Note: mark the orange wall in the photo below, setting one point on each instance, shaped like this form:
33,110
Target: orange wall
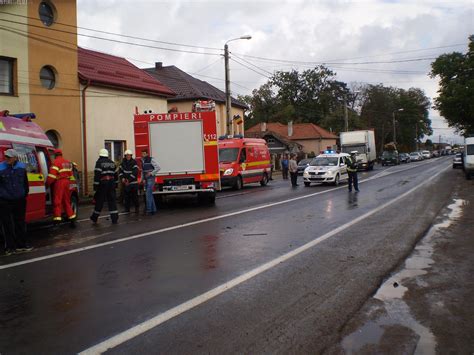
59,108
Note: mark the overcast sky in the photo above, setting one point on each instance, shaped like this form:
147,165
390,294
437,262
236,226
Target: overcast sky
344,35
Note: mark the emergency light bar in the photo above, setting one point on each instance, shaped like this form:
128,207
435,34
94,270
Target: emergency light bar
230,136
23,116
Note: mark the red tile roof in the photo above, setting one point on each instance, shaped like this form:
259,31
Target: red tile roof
300,131
111,71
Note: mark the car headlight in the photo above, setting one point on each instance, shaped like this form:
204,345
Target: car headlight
329,172
228,171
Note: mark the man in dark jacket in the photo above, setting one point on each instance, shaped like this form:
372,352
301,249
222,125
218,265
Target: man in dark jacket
13,192
352,167
128,173
105,182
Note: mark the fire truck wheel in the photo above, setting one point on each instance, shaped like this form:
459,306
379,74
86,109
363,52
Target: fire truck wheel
238,183
264,180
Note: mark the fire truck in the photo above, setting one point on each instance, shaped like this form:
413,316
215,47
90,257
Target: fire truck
34,148
185,146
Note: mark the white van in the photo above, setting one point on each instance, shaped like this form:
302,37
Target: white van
469,157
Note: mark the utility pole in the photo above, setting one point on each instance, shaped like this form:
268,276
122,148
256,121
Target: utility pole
227,90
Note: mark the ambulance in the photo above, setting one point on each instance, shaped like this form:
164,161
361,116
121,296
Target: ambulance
36,151
244,161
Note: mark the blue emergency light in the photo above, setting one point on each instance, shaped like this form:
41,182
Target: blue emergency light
329,152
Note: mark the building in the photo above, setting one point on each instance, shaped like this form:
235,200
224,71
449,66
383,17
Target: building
111,89
307,138
190,89
38,68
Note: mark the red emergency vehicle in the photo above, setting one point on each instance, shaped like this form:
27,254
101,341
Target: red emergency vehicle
244,161
36,151
185,146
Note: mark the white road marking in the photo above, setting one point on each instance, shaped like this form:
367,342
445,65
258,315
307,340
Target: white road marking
196,301
179,226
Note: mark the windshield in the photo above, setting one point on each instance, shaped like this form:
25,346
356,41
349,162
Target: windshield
387,153
361,149
324,161
228,155
470,149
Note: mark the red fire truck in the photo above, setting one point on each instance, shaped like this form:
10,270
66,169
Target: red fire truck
185,146
36,151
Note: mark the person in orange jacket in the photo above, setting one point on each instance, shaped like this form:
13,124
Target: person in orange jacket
59,178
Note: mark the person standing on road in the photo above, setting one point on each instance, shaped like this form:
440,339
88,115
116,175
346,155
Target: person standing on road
128,173
14,190
105,183
149,170
352,166
284,166
59,178
293,168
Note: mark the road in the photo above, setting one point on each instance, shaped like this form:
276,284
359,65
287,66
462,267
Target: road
270,269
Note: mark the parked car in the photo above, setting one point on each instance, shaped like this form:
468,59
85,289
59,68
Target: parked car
404,158
416,156
327,168
426,154
390,157
457,161
303,164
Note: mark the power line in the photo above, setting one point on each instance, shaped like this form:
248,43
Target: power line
249,68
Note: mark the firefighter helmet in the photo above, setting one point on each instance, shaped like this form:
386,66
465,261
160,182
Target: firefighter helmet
58,152
103,153
128,152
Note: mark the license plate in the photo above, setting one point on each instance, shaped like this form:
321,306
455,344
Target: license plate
180,188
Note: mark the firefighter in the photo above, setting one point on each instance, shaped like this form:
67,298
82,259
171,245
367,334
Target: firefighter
105,182
352,172
59,178
128,173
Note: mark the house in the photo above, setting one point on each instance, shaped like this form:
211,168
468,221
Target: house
307,138
110,89
38,68
189,89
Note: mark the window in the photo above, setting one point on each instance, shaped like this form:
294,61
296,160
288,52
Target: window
27,155
47,13
116,149
470,149
6,75
54,137
48,77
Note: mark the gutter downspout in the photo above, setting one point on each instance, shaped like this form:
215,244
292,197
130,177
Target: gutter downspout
84,137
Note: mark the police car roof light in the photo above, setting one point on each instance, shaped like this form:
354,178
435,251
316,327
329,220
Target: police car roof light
23,116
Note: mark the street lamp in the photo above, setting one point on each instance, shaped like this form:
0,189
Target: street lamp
394,127
227,82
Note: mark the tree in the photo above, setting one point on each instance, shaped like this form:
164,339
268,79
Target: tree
456,80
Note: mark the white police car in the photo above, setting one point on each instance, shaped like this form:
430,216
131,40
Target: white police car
329,167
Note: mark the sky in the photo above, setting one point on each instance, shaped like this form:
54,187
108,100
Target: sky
374,41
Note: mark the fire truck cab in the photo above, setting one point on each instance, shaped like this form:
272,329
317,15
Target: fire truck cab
36,151
244,161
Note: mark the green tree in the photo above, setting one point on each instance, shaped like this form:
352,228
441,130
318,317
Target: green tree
456,93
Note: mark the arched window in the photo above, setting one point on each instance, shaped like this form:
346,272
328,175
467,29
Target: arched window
48,77
47,13
54,137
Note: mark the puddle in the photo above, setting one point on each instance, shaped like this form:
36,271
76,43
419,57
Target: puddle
393,309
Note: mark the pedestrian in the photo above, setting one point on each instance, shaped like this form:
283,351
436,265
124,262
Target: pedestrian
149,170
284,166
14,190
105,183
59,178
128,173
293,169
352,166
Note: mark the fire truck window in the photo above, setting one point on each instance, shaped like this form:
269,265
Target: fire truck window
27,155
243,156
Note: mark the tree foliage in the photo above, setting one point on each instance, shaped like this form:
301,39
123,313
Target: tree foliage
456,93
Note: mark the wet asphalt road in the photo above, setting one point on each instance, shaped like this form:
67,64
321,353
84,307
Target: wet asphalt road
70,302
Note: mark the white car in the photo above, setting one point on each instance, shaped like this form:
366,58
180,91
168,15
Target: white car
426,154
327,168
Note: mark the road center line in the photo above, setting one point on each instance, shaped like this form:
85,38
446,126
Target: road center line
179,226
196,301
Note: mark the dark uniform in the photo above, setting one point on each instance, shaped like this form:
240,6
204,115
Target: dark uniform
128,173
105,182
352,166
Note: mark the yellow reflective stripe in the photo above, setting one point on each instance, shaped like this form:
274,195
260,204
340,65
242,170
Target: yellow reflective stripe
35,177
210,143
55,168
73,216
209,176
255,163
52,176
57,219
63,170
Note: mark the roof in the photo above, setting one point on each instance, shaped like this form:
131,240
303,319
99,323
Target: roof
188,87
300,131
107,70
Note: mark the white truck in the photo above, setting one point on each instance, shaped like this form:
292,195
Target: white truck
364,143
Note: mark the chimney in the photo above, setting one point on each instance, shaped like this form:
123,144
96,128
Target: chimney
158,65
263,126
290,128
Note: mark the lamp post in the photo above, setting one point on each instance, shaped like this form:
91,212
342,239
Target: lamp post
227,82
416,133
394,127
